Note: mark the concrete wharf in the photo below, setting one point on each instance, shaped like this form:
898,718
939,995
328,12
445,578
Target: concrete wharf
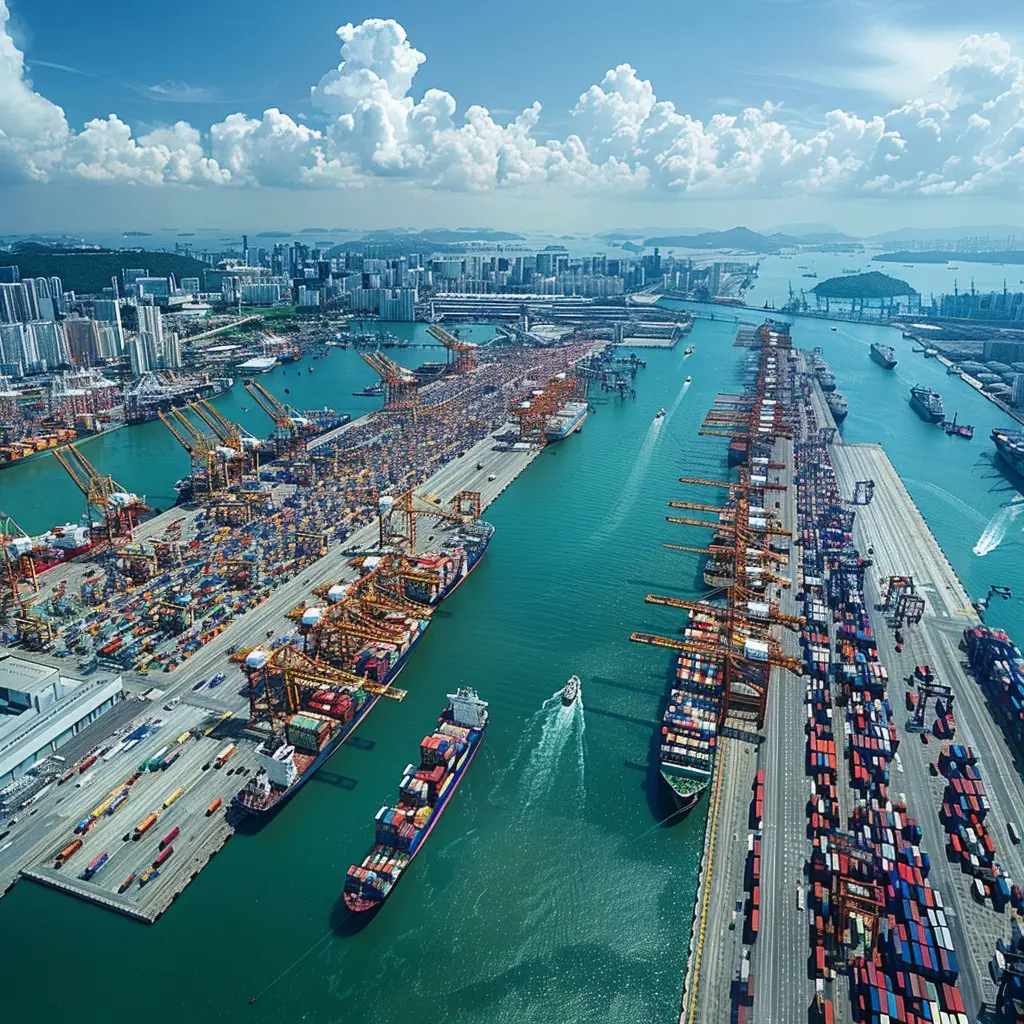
891,532
175,709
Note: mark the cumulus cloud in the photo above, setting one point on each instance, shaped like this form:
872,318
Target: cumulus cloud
964,134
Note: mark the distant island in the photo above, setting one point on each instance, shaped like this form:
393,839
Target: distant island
630,246
273,234
734,238
1013,256
873,285
315,231
136,234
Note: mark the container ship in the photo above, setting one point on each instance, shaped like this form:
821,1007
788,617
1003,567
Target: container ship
689,730
56,546
566,421
15,452
153,393
836,403
927,404
294,752
1010,446
424,793
884,355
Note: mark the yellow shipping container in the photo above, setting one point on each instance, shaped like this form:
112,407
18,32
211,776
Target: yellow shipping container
174,796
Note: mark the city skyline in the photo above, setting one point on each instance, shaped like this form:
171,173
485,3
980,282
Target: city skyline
902,121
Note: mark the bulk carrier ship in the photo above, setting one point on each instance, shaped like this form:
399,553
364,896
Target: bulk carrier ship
423,795
294,752
884,355
927,404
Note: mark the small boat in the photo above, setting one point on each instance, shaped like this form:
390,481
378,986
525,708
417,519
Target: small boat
571,691
659,414
688,351
833,328
688,380
953,370
954,429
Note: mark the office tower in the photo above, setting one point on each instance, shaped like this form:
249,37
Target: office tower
83,341
50,345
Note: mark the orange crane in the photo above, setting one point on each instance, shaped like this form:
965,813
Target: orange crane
401,386
210,462
397,519
289,426
104,496
19,567
460,353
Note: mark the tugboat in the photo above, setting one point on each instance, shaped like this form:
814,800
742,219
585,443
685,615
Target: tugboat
954,429
571,691
659,414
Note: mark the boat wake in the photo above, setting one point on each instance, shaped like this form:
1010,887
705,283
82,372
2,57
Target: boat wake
631,489
993,534
552,744
678,401
951,499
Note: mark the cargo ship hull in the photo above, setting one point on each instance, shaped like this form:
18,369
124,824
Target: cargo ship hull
685,793
561,426
883,358
929,411
280,797
363,903
1012,460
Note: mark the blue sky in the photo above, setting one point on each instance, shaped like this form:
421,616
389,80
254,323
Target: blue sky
864,114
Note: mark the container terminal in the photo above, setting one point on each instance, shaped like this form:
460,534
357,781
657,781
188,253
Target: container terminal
856,724
286,593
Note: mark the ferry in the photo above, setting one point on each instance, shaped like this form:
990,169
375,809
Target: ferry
571,691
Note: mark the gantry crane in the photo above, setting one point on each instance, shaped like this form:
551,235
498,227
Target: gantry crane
397,520
460,353
289,426
401,386
231,435
278,683
105,498
19,568
211,462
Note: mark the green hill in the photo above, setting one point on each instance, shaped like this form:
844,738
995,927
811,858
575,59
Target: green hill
88,273
863,286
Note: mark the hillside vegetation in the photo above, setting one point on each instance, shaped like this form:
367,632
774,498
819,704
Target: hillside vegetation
863,286
88,273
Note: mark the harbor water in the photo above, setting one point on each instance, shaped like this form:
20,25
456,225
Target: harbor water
548,891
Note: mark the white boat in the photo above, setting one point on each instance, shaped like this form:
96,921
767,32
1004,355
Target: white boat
659,414
688,380
571,690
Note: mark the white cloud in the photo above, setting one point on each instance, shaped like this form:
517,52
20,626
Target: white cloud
963,134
